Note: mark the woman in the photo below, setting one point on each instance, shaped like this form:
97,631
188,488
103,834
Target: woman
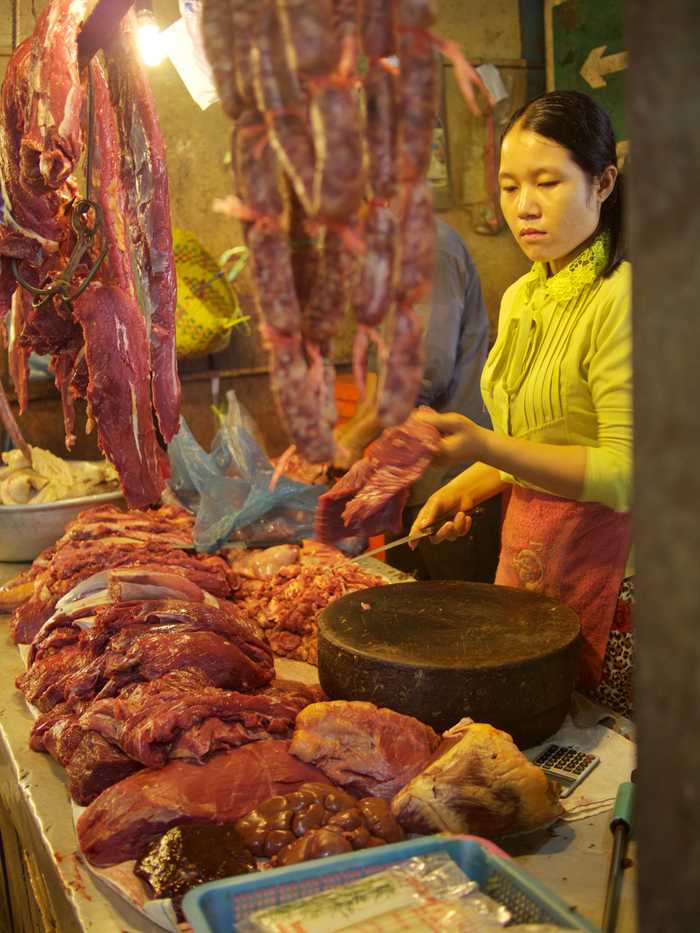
558,387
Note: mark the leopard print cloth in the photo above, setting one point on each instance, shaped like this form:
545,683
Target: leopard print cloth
615,688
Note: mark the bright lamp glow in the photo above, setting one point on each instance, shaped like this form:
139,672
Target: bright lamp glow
150,39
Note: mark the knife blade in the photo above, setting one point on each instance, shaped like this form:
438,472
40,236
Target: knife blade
477,510
387,547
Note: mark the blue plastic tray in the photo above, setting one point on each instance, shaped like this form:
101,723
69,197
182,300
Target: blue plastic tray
216,907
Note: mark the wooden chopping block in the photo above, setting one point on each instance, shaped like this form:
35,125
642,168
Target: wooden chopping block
443,650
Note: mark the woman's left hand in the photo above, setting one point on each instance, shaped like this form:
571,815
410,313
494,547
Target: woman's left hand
462,439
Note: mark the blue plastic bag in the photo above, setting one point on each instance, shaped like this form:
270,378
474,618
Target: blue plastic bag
229,488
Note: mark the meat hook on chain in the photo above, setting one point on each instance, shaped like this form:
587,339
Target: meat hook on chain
60,287
80,222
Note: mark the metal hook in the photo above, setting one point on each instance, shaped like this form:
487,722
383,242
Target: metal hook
80,224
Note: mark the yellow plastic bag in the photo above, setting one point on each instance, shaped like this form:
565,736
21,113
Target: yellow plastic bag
207,307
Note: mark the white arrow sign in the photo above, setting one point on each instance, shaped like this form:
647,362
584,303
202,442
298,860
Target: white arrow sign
596,66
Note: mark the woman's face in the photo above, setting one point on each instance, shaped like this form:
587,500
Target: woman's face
548,201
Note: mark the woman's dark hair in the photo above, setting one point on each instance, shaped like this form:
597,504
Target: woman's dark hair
575,121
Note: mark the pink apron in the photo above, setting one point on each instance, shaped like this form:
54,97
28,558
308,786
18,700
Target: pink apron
574,552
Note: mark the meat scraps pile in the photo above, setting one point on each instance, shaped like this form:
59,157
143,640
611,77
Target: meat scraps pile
318,153
289,587
110,326
152,672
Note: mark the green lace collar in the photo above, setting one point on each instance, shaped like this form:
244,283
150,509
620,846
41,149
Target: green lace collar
572,279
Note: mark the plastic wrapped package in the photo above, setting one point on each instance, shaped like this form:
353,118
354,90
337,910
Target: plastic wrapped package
426,892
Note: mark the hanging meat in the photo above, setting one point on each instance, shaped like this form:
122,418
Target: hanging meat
329,181
91,280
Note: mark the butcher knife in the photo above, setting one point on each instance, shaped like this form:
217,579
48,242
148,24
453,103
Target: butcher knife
391,544
477,510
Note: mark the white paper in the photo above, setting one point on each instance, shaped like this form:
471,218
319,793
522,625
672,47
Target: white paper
183,45
491,77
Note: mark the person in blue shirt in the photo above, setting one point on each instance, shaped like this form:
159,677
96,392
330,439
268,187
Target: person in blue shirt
456,342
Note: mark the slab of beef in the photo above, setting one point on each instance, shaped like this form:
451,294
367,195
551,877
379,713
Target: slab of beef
113,535
168,524
180,715
369,750
483,785
75,611
77,560
126,817
92,763
288,604
109,345
144,180
370,498
136,642
44,683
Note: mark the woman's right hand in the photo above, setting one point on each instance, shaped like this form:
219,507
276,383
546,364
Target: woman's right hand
446,511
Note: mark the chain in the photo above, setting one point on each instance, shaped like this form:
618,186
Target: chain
85,233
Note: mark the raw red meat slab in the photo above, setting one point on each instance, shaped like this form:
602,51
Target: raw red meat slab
371,496
126,817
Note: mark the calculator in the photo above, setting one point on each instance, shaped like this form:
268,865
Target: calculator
567,765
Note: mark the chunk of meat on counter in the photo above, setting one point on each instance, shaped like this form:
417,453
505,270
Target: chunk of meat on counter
104,538
315,821
370,498
263,563
367,749
132,642
180,715
288,605
192,854
126,817
169,525
92,763
482,785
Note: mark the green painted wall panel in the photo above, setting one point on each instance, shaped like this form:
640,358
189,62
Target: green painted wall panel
578,28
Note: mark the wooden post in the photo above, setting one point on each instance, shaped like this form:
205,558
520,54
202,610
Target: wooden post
663,107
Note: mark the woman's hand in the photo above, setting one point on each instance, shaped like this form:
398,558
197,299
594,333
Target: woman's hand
446,511
462,439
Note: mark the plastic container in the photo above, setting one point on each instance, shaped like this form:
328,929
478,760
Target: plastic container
217,906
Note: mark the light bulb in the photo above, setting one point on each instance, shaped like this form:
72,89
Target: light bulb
150,39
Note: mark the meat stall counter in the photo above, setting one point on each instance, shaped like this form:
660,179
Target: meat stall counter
46,885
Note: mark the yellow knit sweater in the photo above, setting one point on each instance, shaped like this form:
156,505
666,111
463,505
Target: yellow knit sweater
560,371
